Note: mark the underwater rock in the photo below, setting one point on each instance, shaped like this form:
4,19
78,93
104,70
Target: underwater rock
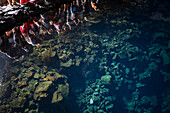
166,102
28,91
57,97
36,75
149,100
160,34
29,74
113,21
63,57
166,75
70,53
41,90
78,60
32,85
79,48
18,102
122,55
127,70
26,64
23,82
91,101
138,85
31,69
49,73
165,57
53,53
91,58
154,51
115,56
152,66
33,111
62,91
95,21
67,64
38,61
3,89
47,54
106,79
104,91
109,107
129,31
133,59
53,76
44,69
87,49
95,98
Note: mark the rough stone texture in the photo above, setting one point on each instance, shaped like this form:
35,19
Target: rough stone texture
42,87
106,78
15,17
4,64
18,102
57,97
63,91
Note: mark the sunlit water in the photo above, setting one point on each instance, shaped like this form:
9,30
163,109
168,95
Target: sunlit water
116,62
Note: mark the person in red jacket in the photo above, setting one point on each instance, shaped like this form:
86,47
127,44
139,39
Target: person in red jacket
26,32
23,1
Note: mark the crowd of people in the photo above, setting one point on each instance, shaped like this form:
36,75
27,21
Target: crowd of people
62,18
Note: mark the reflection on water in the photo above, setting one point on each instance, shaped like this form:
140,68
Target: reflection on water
112,63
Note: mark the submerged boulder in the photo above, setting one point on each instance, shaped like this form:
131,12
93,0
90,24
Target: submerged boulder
18,102
106,79
165,57
63,91
41,90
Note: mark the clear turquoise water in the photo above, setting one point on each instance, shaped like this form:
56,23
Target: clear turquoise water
131,49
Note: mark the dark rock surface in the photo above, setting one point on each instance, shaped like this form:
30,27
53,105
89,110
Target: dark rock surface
10,17
4,62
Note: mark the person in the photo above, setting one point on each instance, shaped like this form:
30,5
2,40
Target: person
45,23
14,2
82,10
68,16
26,32
20,42
57,25
85,9
56,22
94,4
73,9
11,37
18,37
79,9
23,1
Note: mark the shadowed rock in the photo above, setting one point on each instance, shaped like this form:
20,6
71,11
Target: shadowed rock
4,62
